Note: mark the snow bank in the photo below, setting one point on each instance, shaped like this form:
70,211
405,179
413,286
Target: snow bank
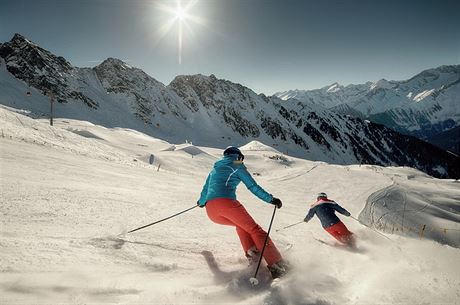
18,127
416,208
189,149
257,146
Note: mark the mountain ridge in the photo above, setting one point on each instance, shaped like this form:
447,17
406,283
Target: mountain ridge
422,106
206,110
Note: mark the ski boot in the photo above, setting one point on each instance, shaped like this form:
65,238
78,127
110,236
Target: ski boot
278,269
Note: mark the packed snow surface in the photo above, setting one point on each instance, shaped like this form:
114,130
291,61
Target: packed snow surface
69,194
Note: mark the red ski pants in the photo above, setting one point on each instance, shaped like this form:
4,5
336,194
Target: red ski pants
340,232
230,212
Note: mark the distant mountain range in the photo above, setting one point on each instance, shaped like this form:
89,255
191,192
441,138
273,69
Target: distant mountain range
204,110
424,106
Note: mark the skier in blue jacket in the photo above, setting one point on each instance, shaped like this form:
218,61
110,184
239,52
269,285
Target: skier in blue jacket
219,198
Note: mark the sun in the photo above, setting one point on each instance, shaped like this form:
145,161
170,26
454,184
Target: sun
180,13
180,16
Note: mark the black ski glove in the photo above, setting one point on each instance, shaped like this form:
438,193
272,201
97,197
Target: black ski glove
198,204
277,202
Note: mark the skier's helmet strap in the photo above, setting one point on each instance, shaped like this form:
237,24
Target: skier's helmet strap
232,150
321,195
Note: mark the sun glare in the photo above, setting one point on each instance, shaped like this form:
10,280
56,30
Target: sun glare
180,16
180,13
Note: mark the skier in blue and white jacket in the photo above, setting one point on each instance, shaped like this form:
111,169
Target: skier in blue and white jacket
219,198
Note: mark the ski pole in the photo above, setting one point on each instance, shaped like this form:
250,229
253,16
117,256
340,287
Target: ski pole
151,224
297,223
372,229
254,280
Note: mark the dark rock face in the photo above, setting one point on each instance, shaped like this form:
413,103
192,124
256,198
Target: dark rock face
41,69
120,79
448,140
239,124
273,129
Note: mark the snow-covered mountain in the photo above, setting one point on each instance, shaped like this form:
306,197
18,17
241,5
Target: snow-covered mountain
204,110
41,69
426,104
329,96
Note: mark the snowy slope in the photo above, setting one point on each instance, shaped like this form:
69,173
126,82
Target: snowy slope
68,190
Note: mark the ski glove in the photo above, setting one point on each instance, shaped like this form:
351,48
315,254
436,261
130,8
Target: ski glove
277,202
198,204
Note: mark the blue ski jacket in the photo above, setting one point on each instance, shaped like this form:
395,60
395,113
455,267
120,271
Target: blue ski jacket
225,177
325,210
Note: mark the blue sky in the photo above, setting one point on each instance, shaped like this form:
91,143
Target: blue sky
266,45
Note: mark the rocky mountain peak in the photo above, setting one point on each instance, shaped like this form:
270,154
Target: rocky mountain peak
382,84
195,79
22,52
114,63
114,72
211,90
334,87
446,73
36,66
19,39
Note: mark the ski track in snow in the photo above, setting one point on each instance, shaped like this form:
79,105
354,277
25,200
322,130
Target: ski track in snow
70,193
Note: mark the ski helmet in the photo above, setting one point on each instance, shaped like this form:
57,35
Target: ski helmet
232,150
321,195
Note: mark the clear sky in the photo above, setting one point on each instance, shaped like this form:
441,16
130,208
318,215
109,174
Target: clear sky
266,45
